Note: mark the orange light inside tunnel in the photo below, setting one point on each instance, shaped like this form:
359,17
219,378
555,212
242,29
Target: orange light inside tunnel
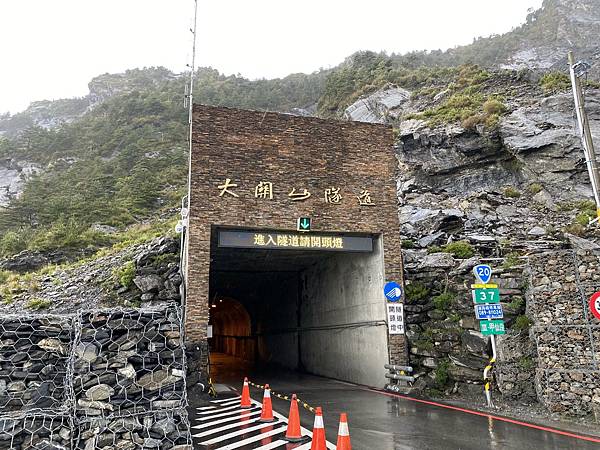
231,329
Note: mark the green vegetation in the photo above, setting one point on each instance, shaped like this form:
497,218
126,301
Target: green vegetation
511,192
434,249
416,291
554,82
511,260
441,374
125,274
408,243
535,188
517,304
467,102
443,302
526,362
522,323
460,249
37,304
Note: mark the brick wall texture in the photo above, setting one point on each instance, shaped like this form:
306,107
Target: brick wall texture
291,152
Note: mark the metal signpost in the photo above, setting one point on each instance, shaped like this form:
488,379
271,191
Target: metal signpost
486,297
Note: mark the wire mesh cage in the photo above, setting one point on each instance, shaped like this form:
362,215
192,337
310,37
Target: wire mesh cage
36,432
128,362
165,430
34,362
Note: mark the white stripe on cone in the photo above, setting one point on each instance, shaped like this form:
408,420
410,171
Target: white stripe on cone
319,422
267,393
343,431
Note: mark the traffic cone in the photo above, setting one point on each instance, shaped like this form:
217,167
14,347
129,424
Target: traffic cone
246,403
293,433
318,439
267,408
343,442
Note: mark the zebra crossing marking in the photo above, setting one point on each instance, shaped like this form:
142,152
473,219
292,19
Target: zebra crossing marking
228,419
237,433
235,423
226,427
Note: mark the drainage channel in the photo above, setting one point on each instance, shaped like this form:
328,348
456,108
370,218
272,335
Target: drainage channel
223,425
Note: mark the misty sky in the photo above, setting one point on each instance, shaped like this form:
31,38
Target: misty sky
52,48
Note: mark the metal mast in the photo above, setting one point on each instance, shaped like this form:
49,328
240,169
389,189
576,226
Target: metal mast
185,201
577,70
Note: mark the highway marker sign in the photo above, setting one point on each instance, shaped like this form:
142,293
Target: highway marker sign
492,327
595,305
483,273
481,296
392,291
485,312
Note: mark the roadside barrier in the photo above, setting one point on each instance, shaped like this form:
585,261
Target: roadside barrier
267,407
400,381
294,432
281,396
319,442
343,441
245,401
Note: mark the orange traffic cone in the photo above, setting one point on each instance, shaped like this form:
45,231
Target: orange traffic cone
343,442
267,408
318,439
246,403
293,433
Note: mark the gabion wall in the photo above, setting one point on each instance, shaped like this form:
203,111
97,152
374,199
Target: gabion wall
169,430
36,431
113,378
34,358
128,362
566,334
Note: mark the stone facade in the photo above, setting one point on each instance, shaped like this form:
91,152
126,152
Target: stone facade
291,152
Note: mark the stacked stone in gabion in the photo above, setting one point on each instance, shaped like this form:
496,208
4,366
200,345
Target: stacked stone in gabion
36,432
128,362
166,430
34,353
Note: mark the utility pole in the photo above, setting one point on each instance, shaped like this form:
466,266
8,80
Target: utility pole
577,70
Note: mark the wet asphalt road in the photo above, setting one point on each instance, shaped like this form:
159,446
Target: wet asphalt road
382,422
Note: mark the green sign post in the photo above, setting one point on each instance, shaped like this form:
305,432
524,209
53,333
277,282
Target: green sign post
492,327
481,296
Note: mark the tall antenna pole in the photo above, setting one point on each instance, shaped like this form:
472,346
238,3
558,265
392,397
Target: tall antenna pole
577,70
185,201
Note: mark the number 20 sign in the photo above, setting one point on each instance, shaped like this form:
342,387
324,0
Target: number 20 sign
483,273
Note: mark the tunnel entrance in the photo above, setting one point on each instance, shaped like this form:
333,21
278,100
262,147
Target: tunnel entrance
306,302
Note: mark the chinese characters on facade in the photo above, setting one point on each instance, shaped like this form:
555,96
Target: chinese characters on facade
300,241
264,190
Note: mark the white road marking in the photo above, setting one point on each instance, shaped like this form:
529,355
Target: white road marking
228,419
228,399
252,439
219,410
235,402
239,432
226,427
272,445
225,414
304,446
206,407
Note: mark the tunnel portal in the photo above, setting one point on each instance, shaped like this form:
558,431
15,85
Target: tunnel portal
272,292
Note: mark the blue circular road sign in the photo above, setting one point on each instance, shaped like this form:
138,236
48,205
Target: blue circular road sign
392,291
